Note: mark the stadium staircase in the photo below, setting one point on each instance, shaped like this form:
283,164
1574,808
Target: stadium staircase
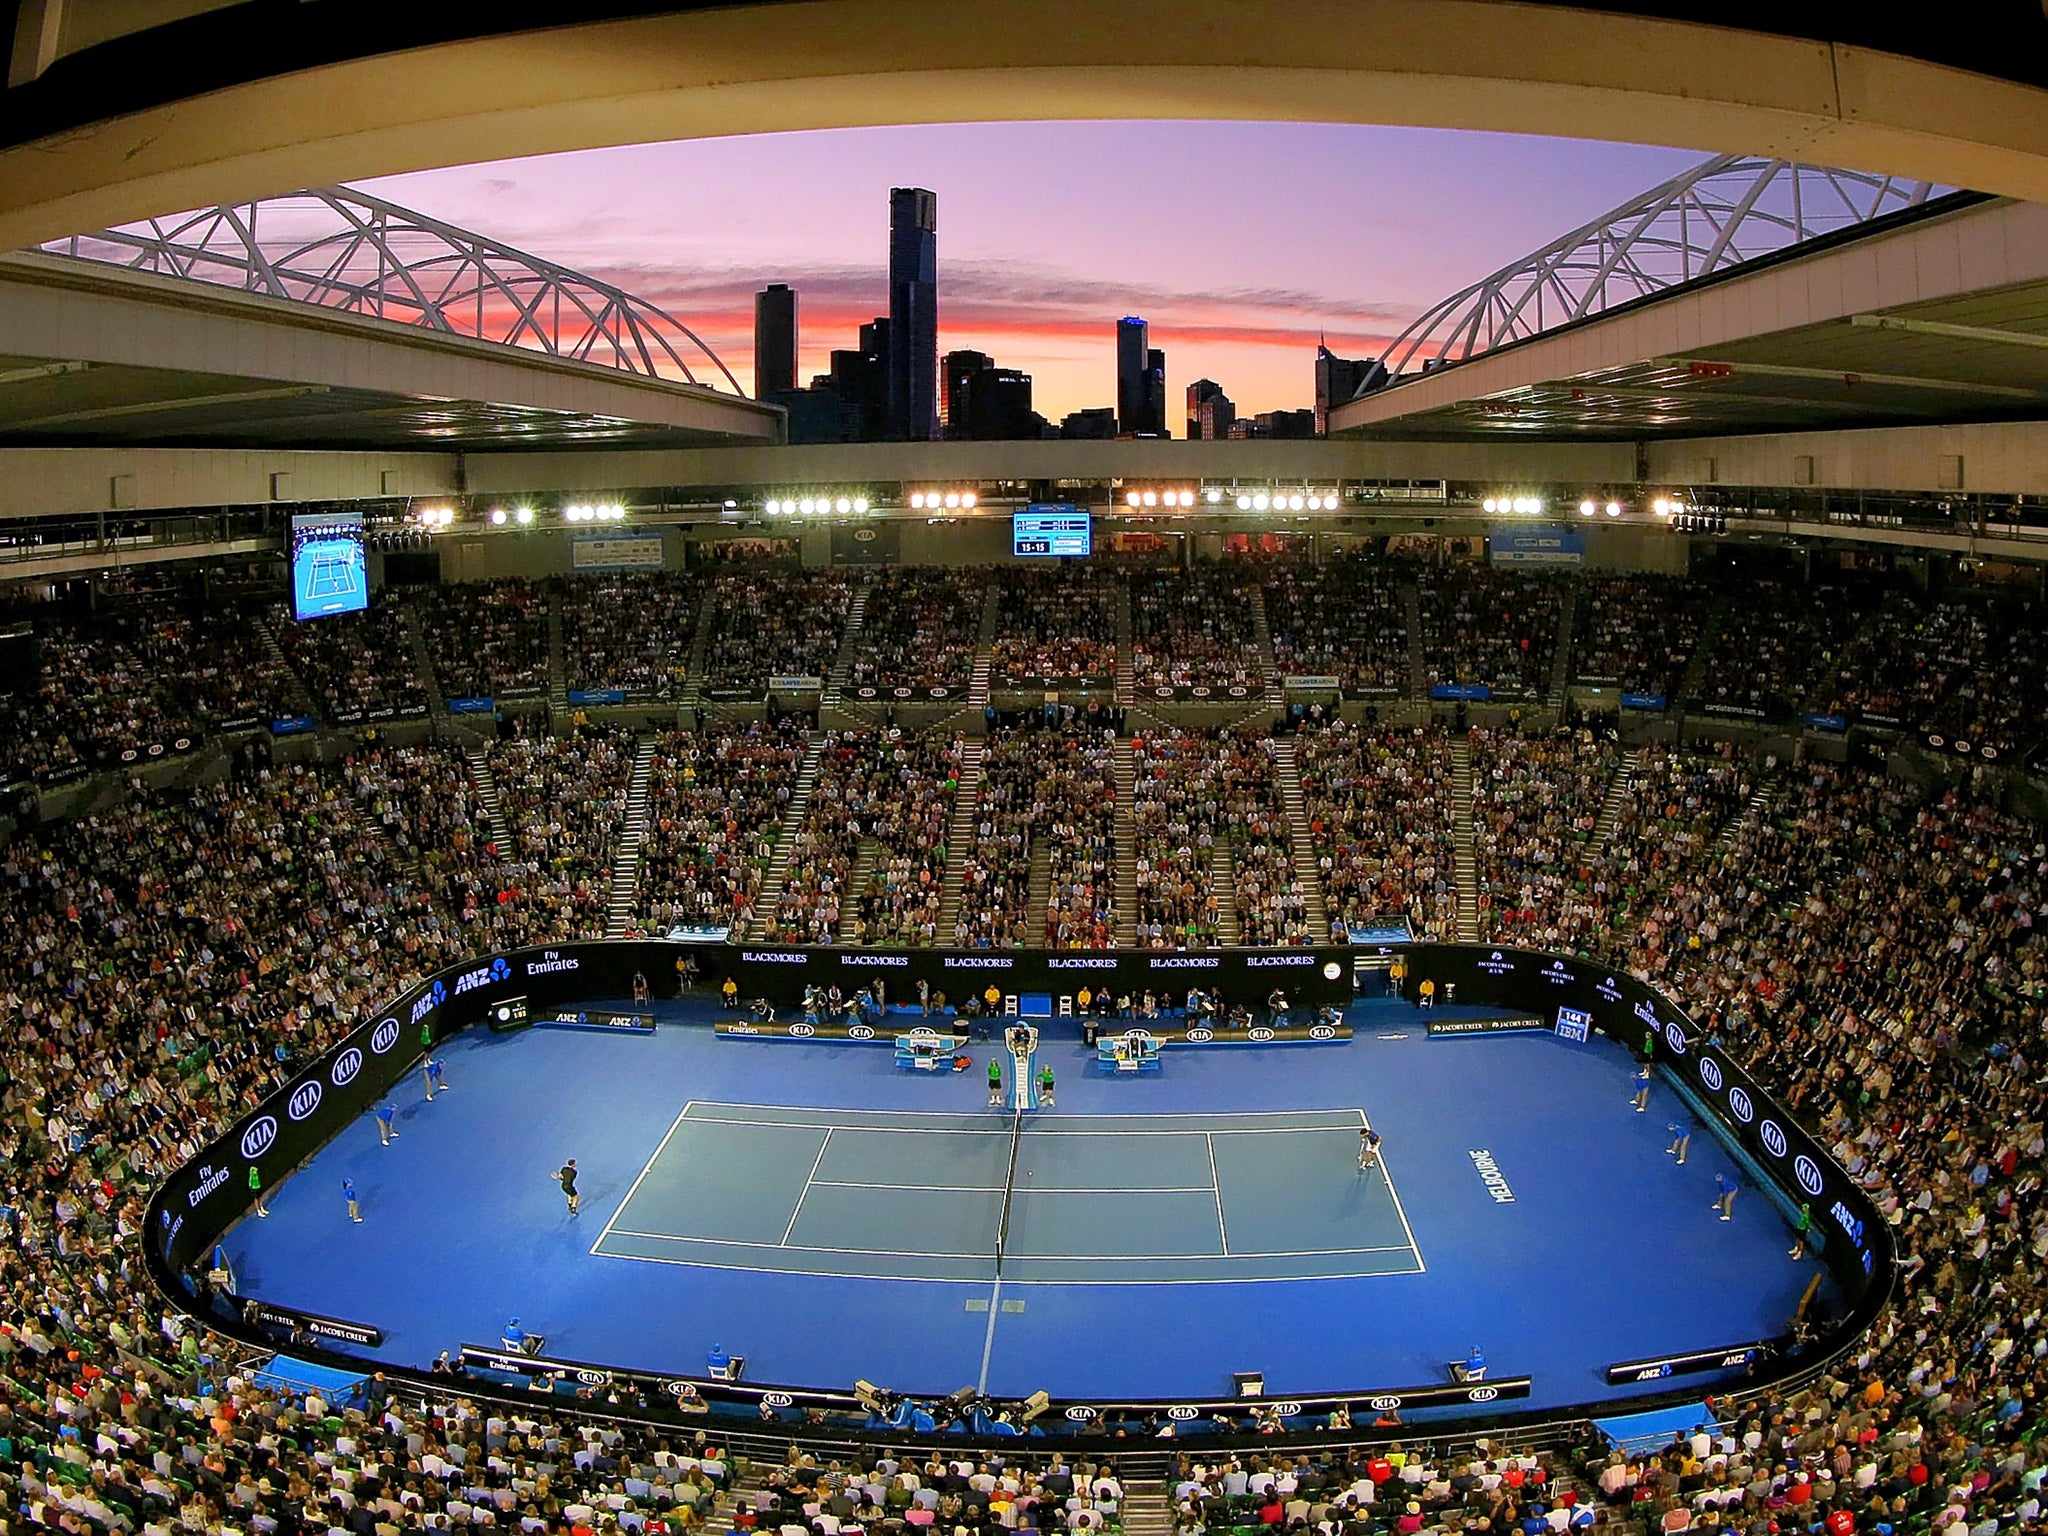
1561,663
618,912
301,696
487,791
1696,668
1147,1507
1755,812
1037,889
558,661
1619,792
1126,675
1125,773
423,659
1223,881
1262,636
1287,768
741,1493
985,646
849,646
691,695
1418,667
1463,841
867,858
960,835
785,837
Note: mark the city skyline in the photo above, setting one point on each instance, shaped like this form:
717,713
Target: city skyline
1290,233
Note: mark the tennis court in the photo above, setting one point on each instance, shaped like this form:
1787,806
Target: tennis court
1095,1199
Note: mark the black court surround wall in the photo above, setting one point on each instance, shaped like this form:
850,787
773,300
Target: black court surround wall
1859,1246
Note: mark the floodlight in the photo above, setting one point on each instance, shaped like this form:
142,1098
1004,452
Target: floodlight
860,503
843,505
1614,509
1213,495
967,498
1244,503
498,516
524,514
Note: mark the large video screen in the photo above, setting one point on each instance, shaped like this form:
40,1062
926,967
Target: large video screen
1050,528
329,575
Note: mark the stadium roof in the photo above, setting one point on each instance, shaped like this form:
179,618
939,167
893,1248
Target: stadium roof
95,355
1940,319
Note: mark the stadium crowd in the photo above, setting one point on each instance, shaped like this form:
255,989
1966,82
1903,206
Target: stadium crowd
1493,629
769,622
629,631
1872,951
920,629
1057,628
1344,618
1194,629
486,639
715,806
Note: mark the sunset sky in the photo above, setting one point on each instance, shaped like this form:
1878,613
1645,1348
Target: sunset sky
1238,242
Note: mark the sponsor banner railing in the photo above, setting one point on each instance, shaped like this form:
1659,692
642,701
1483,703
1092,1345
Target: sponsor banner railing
152,751
309,1324
1308,977
1733,711
1477,693
1730,1357
1308,682
476,704
1651,702
1205,693
1163,1031
597,695
292,725
904,693
1505,1024
795,684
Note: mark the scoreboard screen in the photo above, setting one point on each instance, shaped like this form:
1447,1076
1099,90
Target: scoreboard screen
328,571
1051,528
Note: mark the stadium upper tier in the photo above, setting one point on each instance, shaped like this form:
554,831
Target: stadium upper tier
162,662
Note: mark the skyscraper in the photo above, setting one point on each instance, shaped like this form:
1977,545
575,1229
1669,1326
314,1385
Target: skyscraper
774,340
1133,393
957,368
1210,411
1337,380
1155,391
913,314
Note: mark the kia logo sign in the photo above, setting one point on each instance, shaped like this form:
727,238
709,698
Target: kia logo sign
1710,1073
1258,1033
1773,1138
1482,1394
1287,1410
861,1032
1321,1032
777,1399
591,1378
677,1388
1181,1413
1675,1038
1080,1414
1332,971
1201,1036
384,1036
258,1138
1382,1404
1808,1173
305,1099
802,1031
923,1032
861,536
346,1066
1739,1105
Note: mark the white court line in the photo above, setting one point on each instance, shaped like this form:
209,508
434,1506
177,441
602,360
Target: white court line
1216,1185
620,1209
1063,1132
1022,1189
842,1274
1041,1258
988,1338
911,1114
1421,1264
807,1185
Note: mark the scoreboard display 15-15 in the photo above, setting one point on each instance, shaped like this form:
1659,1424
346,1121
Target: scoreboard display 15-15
1051,528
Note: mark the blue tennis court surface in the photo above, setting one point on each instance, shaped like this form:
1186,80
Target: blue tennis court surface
833,1218
1097,1199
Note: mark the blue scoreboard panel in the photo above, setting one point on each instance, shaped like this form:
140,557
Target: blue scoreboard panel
1051,528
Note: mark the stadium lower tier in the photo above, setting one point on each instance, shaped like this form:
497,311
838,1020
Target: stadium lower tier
833,1217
